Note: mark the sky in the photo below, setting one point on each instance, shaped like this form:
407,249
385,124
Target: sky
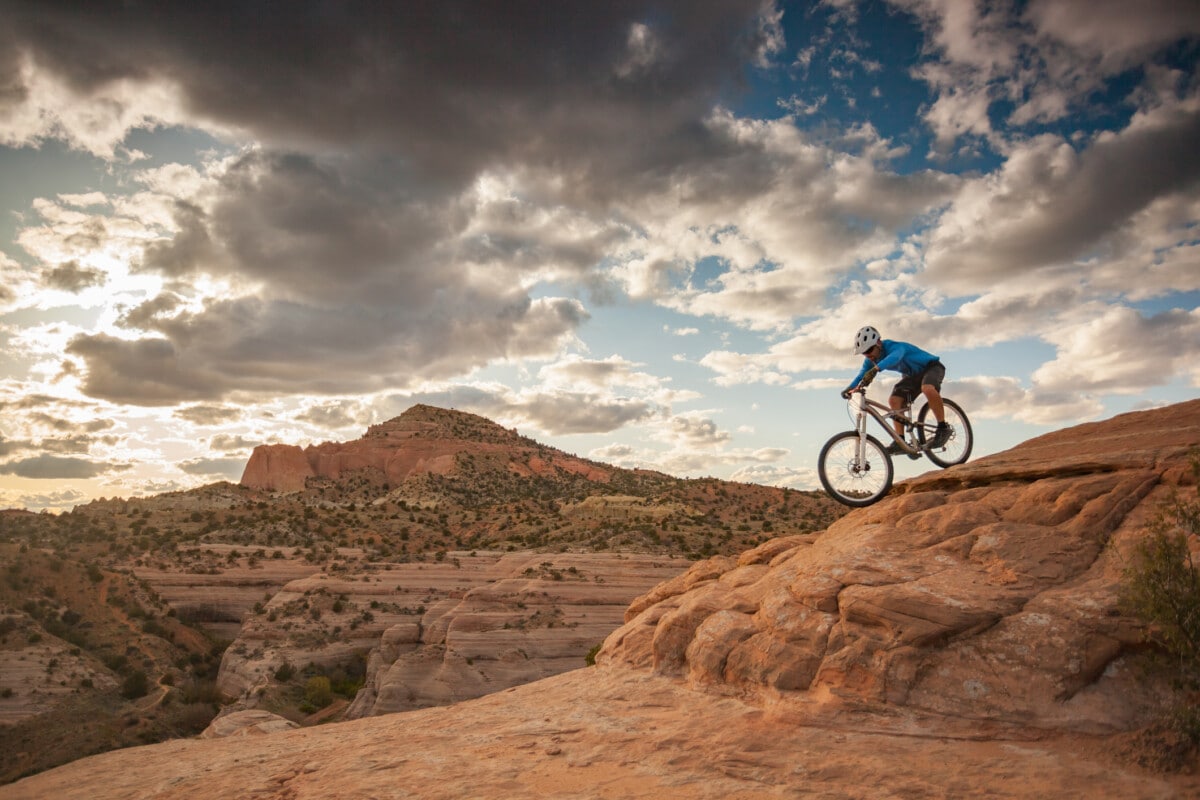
642,232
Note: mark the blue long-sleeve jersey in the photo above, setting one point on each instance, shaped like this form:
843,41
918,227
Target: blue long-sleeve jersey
899,357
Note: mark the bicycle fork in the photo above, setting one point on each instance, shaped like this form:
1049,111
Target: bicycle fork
860,453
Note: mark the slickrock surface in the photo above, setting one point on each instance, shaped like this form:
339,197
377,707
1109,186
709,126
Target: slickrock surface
612,733
959,639
988,591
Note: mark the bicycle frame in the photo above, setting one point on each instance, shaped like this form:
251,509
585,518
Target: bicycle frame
865,407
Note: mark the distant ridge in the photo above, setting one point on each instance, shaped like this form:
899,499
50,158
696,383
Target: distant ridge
423,440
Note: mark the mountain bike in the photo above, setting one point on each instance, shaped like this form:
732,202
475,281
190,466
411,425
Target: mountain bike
857,470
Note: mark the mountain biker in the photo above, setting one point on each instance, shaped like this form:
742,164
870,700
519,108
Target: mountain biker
923,373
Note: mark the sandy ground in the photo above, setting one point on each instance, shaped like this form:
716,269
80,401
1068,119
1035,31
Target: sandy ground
612,733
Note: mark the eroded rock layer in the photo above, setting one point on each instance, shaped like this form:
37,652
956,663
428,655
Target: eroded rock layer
986,591
435,633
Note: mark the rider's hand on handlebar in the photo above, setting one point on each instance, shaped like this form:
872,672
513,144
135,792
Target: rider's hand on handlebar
846,393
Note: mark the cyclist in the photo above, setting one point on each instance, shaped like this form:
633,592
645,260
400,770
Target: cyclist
923,373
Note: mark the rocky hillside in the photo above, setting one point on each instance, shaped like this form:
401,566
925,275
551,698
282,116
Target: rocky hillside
961,638
489,561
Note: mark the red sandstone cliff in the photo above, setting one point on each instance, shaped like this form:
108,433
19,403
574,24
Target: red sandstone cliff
422,440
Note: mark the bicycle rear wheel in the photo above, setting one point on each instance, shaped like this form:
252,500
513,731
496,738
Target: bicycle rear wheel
957,448
850,480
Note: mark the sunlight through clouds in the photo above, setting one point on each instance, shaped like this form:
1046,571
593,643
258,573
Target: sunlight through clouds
648,238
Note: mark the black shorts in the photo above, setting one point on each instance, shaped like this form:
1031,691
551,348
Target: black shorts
909,386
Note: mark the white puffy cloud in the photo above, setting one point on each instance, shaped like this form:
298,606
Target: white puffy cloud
805,479
783,214
96,120
1115,349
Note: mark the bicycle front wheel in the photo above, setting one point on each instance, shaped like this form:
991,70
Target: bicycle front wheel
957,448
849,479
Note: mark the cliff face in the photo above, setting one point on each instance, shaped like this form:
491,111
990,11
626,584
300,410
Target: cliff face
422,440
278,468
986,591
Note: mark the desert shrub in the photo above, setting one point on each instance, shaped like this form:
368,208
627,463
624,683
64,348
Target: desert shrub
285,672
590,658
135,685
201,691
318,692
1161,586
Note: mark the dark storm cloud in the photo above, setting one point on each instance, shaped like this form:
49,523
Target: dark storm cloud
275,346
60,425
325,229
566,413
208,415
30,401
230,468
145,372
555,413
355,213
47,467
231,444
70,277
69,444
331,416
449,86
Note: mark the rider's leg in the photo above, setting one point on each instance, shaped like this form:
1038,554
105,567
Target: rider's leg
897,402
934,398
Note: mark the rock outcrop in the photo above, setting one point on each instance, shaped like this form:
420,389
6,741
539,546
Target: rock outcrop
422,440
247,723
986,591
436,633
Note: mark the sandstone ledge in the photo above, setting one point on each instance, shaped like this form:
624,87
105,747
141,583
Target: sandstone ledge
609,733
996,602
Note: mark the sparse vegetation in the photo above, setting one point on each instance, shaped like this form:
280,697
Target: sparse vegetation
318,692
1161,586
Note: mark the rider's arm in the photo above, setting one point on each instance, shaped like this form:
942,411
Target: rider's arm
893,357
905,358
862,379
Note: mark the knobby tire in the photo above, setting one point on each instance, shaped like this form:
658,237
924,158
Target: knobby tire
958,448
850,484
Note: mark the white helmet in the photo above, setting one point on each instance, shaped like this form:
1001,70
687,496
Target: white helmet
866,338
